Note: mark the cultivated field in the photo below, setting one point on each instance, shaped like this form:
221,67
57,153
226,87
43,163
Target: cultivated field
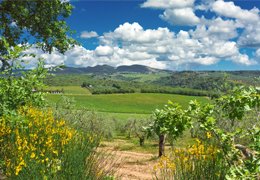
136,103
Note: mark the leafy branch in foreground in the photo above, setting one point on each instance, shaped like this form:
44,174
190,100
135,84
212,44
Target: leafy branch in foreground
19,88
234,122
39,22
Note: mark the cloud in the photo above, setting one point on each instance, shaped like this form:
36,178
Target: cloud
249,21
222,29
204,5
104,51
211,41
177,12
134,33
250,36
229,9
183,16
229,18
167,4
258,53
87,35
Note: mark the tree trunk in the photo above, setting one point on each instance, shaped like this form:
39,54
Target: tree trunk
161,144
141,141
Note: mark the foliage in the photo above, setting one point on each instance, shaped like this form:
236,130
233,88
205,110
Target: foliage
182,91
31,138
20,89
207,80
35,144
199,161
84,120
40,22
137,128
100,84
221,127
171,120
232,109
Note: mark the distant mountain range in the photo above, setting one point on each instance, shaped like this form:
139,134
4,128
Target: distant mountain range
106,69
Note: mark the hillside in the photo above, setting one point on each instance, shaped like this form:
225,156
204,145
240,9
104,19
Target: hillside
104,79
106,69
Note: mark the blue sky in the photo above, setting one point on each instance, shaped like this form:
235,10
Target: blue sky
166,34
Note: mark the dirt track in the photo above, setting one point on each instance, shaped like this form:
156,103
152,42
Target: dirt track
133,165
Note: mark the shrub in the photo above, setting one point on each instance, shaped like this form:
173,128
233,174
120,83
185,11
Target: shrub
36,145
199,161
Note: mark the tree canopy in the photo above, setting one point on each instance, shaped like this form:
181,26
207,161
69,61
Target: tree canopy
38,22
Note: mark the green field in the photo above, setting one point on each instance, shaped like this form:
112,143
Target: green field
137,103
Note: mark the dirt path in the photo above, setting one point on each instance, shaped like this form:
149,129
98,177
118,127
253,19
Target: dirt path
132,165
135,165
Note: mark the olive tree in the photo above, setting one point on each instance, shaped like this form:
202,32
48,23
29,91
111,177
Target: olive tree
171,121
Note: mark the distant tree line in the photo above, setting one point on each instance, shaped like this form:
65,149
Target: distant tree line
181,91
120,87
209,81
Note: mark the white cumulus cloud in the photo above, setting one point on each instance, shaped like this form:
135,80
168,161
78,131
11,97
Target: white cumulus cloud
166,4
104,51
159,48
229,9
182,16
250,36
87,35
177,12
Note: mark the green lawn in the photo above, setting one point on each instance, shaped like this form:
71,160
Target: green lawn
137,103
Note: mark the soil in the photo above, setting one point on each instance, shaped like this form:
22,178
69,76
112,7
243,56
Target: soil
130,165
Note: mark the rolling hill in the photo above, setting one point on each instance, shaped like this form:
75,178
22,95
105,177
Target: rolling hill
106,69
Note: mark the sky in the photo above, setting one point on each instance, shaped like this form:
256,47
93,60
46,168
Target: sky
164,34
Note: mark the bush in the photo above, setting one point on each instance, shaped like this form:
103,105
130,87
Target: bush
199,161
34,144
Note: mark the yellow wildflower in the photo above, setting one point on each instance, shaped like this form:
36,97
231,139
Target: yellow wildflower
55,152
209,135
32,155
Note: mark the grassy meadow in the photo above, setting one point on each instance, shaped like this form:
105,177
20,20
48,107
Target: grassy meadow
136,103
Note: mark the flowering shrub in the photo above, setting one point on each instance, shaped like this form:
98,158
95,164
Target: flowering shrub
33,138
34,144
199,161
